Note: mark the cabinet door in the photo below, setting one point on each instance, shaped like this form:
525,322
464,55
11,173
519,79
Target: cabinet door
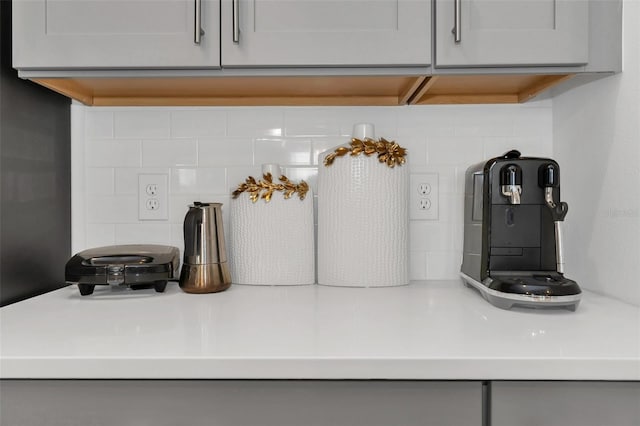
240,403
565,403
326,32
511,32
115,34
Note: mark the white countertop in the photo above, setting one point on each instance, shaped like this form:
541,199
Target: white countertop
427,330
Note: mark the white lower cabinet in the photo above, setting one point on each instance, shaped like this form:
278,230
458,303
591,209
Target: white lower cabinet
317,402
565,403
240,403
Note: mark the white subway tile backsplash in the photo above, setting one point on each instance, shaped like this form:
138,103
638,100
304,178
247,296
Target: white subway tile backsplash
192,123
143,233
421,121
385,120
100,181
418,265
444,265
99,124
454,151
486,130
113,153
208,151
141,123
169,153
495,147
416,150
184,181
495,120
112,209
255,122
224,152
534,122
126,180
99,235
312,122
451,208
283,151
212,181
339,121
200,180
430,236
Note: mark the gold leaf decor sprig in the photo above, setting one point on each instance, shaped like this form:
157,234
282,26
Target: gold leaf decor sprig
389,153
265,188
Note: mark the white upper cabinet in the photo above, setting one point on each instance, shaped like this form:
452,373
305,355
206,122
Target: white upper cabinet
76,34
477,33
292,33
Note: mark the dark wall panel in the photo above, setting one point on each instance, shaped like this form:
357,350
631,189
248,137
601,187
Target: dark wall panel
35,181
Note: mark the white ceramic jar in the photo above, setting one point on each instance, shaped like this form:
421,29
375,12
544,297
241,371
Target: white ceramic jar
272,243
362,221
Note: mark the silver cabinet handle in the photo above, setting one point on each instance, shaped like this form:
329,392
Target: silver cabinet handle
198,31
236,21
457,24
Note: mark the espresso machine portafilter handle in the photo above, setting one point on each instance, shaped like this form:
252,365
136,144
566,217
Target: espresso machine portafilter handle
511,182
549,179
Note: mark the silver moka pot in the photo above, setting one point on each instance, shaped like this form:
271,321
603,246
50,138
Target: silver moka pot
205,268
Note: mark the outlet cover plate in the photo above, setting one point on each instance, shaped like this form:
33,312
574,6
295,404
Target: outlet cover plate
153,198
423,196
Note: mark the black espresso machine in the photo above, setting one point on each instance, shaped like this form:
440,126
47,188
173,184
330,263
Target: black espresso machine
513,218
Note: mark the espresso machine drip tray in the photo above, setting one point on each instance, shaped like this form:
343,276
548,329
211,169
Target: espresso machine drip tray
137,266
530,291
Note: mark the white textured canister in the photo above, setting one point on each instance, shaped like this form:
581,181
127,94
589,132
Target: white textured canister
362,222
272,243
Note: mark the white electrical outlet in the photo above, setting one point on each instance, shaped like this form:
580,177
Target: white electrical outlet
153,197
151,189
423,196
424,189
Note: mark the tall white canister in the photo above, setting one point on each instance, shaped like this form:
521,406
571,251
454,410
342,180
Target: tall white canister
272,231
363,222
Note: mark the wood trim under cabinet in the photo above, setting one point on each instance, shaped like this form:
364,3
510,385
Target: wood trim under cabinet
484,89
67,87
303,90
236,91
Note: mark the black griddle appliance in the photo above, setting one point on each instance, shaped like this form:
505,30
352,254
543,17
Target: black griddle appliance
137,266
